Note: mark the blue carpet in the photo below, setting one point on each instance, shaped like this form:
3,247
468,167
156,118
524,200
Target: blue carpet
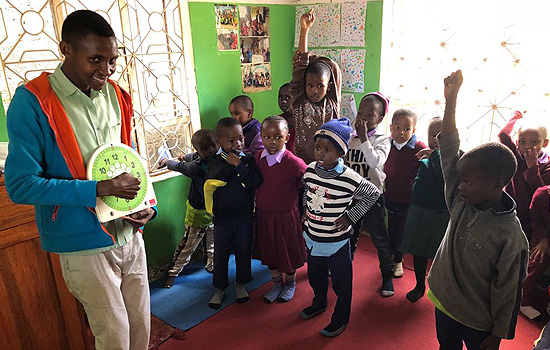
186,303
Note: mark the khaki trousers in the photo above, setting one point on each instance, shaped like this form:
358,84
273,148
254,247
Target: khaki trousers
114,290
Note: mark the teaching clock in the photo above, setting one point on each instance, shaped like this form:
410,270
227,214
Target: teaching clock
109,161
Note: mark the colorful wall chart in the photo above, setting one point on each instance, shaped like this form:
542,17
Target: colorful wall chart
342,26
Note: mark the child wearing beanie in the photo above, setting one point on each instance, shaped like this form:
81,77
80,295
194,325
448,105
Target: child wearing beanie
330,187
368,152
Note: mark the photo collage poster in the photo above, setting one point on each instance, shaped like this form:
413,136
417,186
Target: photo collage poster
255,48
227,27
339,34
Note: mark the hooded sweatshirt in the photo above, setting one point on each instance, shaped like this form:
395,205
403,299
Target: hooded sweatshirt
309,116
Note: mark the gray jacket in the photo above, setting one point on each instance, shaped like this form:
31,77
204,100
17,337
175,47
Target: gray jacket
481,263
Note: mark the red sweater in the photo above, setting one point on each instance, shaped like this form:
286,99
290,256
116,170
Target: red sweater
279,191
540,214
525,180
401,169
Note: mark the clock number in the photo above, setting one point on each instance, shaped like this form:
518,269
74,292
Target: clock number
133,165
107,161
126,159
103,171
138,175
115,156
127,201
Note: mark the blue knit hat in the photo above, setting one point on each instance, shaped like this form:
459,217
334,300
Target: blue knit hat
338,131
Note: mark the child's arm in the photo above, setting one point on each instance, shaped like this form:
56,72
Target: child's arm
505,290
249,173
509,127
375,155
449,141
256,145
540,223
369,194
188,168
300,61
504,135
306,22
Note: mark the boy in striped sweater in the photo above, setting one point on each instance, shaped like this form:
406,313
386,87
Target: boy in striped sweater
330,187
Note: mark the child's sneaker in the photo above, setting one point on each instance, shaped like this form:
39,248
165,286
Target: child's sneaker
398,270
242,293
333,329
216,301
275,291
209,267
387,288
288,292
310,312
529,312
169,281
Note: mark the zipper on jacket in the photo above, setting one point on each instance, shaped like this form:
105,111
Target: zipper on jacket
55,210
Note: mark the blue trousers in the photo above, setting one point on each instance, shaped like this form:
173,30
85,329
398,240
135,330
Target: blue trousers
339,265
451,334
232,237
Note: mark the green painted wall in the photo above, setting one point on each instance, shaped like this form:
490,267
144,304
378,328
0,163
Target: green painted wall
3,126
163,234
218,73
373,43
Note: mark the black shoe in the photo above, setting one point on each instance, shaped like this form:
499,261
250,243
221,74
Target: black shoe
333,329
415,294
310,312
169,282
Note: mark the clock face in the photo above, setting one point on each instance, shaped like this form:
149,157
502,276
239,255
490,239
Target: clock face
113,160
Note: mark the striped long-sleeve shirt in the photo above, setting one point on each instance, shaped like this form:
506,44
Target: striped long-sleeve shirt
328,196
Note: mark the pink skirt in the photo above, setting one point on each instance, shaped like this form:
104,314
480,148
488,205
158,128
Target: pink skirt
278,240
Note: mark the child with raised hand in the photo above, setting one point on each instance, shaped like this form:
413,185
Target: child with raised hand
533,166
198,223
231,181
428,216
278,239
401,169
477,272
284,104
241,108
368,151
316,92
330,187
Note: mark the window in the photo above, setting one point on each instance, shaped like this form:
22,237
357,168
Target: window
153,64
499,45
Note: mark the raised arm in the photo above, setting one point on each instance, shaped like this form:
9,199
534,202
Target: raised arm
306,22
449,141
452,86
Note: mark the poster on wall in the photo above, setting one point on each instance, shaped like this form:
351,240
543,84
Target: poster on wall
353,24
256,77
255,50
254,21
326,29
348,108
228,40
353,70
227,27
